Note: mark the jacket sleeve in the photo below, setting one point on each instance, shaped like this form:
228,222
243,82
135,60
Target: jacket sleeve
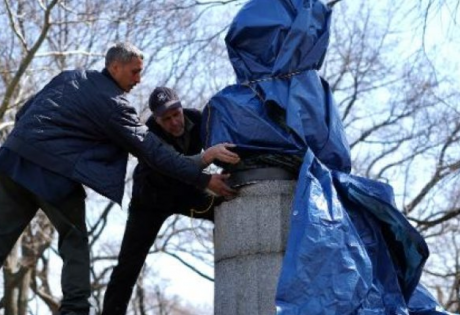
125,129
198,160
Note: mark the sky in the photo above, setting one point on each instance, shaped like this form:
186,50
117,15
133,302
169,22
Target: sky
196,290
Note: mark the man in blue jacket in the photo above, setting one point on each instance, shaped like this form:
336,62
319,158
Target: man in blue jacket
155,197
78,130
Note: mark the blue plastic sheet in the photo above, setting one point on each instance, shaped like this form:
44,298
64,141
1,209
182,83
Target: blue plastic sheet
423,303
350,251
276,50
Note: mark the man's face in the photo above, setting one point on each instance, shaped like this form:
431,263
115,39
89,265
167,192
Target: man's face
128,74
172,121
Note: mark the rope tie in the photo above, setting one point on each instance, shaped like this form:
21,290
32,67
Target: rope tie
249,84
276,77
192,211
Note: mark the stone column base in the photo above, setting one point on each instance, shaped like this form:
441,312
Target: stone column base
250,239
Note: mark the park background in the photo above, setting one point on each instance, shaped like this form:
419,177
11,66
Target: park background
393,67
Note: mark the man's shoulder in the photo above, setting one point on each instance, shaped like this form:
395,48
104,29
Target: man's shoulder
80,77
85,88
193,114
99,83
153,126
78,73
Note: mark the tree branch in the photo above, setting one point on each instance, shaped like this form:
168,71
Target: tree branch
193,268
27,59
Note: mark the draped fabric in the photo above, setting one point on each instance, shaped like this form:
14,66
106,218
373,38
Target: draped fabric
350,250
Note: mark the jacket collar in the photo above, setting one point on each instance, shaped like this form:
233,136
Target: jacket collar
106,73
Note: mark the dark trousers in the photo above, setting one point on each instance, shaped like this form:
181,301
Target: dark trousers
146,215
17,208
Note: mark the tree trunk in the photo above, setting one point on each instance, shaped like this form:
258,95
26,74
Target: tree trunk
10,276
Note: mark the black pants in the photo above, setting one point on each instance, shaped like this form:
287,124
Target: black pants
17,208
148,210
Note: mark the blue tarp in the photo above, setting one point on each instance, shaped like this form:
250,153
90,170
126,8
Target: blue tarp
275,61
350,251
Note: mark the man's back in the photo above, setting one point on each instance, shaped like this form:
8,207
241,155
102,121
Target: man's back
62,130
82,126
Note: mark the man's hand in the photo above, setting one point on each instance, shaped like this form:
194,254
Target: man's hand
218,186
222,153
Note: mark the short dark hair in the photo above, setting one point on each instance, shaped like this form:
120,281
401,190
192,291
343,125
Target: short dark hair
123,52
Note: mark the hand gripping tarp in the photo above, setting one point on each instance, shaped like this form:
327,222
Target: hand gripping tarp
350,251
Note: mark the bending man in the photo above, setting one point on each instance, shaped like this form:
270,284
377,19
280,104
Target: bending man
156,197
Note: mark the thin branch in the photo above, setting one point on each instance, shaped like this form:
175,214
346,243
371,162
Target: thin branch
193,268
15,27
6,124
27,59
69,53
446,217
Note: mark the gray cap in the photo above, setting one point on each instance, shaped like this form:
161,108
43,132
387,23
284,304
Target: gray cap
163,99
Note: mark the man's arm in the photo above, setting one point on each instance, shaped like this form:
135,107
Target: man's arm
219,152
125,129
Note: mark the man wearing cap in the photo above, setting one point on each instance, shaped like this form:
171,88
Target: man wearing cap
156,197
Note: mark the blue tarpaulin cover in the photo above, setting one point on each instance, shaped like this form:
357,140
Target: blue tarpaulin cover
350,251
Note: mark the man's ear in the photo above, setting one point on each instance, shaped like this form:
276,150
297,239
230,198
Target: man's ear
114,67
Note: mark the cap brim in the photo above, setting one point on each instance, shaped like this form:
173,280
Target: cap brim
159,111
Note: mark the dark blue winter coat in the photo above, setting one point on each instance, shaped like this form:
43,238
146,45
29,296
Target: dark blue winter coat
81,126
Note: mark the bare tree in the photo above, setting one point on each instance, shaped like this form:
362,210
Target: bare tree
403,126
399,108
